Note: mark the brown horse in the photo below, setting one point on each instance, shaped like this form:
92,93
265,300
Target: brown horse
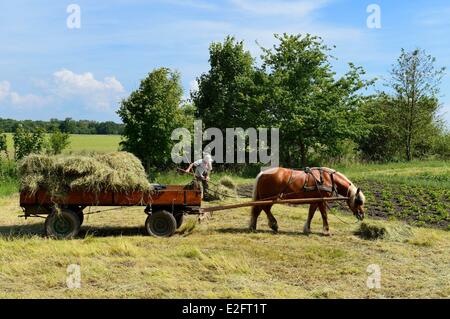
311,183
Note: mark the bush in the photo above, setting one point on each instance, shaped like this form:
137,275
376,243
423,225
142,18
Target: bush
26,142
57,142
441,147
7,170
3,144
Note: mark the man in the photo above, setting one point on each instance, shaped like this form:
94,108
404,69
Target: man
202,169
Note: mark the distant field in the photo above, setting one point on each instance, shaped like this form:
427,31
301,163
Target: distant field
86,143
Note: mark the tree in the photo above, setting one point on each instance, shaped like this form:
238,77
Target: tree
309,105
57,142
27,142
415,82
220,99
67,126
150,114
441,145
381,143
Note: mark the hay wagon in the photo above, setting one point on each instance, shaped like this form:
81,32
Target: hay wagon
165,207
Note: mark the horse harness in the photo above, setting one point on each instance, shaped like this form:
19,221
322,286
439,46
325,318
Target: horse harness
318,183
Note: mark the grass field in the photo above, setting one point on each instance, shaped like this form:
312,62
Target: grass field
220,258
80,142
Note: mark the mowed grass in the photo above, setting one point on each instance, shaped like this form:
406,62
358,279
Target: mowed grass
82,143
218,258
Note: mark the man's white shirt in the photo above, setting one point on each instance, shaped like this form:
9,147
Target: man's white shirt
200,168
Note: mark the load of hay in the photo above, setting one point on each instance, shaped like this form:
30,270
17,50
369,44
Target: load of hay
118,172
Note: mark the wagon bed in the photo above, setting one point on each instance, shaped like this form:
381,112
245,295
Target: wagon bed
165,207
177,195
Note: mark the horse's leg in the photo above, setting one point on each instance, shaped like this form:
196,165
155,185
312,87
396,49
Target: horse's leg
312,210
272,221
323,211
255,211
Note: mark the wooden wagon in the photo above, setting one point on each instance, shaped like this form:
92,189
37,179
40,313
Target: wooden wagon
165,207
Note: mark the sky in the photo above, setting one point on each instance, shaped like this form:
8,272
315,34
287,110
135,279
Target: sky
50,68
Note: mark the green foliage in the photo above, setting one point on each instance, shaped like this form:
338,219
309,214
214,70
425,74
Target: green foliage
309,105
27,142
8,177
3,144
441,146
415,82
57,142
404,124
150,114
381,143
223,98
7,169
67,125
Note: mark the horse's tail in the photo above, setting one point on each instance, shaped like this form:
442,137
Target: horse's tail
255,210
255,187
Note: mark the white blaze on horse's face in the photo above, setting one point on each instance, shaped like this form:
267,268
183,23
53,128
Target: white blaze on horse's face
356,201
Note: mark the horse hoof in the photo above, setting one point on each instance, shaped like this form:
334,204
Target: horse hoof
327,233
306,230
274,228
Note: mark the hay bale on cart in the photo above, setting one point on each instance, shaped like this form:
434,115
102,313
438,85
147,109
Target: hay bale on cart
59,176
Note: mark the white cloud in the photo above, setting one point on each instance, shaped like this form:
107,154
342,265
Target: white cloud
71,82
298,8
28,100
5,88
97,94
18,100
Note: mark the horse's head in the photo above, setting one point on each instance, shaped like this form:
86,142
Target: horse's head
356,202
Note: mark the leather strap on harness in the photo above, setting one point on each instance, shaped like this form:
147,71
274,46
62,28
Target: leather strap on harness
318,184
281,194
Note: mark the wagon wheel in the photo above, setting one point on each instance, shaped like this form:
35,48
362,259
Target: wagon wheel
80,216
64,224
179,218
79,211
161,224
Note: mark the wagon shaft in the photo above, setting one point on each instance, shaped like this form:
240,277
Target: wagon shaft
273,202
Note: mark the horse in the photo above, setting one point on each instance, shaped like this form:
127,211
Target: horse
316,182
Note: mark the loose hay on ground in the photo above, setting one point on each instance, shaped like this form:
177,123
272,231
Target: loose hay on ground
373,230
118,171
226,188
228,182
